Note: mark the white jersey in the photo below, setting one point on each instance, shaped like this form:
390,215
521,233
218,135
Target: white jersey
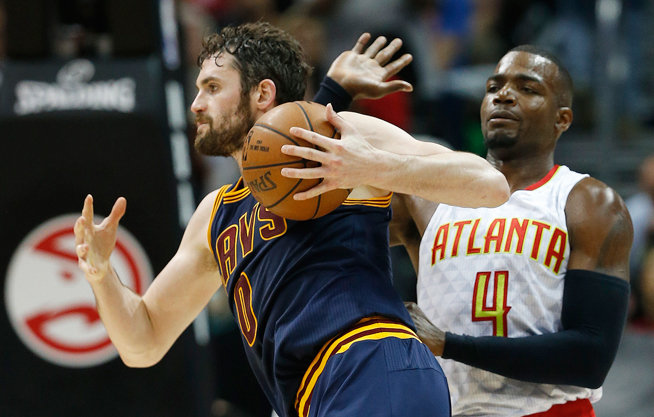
499,272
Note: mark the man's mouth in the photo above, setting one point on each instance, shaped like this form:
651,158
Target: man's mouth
502,115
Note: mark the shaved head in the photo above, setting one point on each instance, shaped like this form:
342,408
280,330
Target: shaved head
565,87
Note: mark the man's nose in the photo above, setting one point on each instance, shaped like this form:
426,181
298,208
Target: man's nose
198,105
504,96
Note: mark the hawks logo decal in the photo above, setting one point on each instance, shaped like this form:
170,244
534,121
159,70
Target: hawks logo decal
51,305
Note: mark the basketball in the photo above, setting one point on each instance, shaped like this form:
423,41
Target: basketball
263,161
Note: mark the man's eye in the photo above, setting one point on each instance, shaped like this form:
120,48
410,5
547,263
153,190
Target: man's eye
491,89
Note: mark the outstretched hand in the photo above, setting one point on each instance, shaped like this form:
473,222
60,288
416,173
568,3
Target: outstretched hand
94,243
345,163
430,335
364,74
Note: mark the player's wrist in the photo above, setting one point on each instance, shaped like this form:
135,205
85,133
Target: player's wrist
458,347
332,91
102,274
389,170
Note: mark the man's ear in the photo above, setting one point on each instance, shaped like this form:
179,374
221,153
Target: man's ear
563,119
265,94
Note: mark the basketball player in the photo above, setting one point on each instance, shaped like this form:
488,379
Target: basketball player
528,300
324,330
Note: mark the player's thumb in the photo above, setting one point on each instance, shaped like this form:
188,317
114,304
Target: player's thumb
118,210
337,121
397,85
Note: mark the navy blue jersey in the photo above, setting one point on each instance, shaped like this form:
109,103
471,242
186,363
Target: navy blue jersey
295,285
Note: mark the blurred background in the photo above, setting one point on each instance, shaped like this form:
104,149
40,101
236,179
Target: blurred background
95,97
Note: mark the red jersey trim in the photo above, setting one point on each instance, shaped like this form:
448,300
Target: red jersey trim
543,180
575,408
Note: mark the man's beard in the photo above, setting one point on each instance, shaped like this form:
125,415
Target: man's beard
499,140
230,136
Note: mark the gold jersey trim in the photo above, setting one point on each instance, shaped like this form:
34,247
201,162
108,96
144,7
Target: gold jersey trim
371,328
214,210
371,202
239,192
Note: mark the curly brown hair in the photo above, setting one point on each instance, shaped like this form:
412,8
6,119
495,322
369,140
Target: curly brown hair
262,51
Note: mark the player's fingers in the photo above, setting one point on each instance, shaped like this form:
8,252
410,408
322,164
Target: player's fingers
82,264
86,267
82,250
79,230
304,173
321,188
375,47
361,43
304,152
385,54
87,211
397,65
312,137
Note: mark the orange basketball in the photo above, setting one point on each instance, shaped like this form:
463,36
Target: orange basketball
263,161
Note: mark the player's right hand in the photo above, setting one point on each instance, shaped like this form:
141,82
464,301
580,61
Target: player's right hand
94,243
365,72
344,163
428,333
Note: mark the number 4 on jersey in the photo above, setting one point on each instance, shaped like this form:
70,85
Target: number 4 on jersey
497,310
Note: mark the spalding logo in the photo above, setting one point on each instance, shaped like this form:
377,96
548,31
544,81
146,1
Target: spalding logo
263,184
75,91
51,305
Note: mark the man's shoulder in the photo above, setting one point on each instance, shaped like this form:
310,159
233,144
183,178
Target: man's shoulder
205,211
229,193
207,205
593,190
600,227
593,205
591,195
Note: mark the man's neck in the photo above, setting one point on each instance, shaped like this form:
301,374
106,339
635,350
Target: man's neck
522,172
237,157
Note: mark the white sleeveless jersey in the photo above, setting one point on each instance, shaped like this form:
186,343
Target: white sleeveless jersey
499,272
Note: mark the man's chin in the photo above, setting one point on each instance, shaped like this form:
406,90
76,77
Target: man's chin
209,145
200,145
500,141
204,147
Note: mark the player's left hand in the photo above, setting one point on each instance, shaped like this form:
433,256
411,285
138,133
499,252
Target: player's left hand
346,162
430,335
364,74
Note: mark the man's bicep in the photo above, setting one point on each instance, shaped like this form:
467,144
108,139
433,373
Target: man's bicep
600,229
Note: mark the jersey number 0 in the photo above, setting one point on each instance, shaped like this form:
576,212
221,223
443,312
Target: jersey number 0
243,303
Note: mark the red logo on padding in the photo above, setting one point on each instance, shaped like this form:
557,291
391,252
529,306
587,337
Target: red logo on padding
51,305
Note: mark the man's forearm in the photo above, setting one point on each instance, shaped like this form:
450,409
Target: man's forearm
125,316
593,316
454,178
395,161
